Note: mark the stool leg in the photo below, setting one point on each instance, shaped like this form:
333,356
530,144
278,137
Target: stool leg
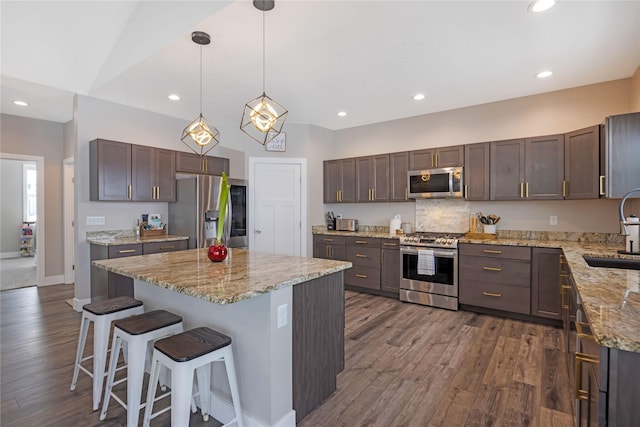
137,350
82,339
113,364
233,383
101,329
151,390
182,386
203,375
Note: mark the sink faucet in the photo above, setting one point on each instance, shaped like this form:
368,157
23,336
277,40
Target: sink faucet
623,222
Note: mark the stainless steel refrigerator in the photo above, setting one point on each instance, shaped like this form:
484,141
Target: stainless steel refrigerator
195,212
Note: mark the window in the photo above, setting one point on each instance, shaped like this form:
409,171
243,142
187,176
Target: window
29,199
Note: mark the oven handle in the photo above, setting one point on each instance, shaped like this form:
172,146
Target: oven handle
411,250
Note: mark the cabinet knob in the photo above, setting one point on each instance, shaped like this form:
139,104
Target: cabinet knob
257,231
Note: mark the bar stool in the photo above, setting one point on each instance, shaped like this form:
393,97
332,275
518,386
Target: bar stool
101,314
193,350
136,332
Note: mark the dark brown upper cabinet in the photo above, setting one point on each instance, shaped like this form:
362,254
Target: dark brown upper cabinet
476,171
399,166
372,178
582,164
621,154
440,157
153,174
527,169
207,165
110,170
339,180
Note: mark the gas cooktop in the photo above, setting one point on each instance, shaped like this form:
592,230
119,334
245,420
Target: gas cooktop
431,239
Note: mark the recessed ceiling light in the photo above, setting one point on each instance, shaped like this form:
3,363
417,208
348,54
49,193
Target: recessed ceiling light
342,113
174,97
20,103
418,96
544,74
541,5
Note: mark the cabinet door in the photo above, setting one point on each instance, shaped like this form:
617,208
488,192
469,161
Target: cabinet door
544,174
142,173
188,162
110,165
623,154
476,171
582,164
446,157
332,177
380,182
421,159
216,165
507,170
348,191
390,269
545,283
365,175
165,175
399,165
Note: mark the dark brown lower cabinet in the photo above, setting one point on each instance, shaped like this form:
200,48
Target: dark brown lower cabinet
390,266
545,283
318,341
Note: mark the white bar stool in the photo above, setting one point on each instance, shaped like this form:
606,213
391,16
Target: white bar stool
193,350
136,332
101,314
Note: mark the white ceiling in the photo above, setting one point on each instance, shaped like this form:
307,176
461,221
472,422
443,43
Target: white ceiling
367,58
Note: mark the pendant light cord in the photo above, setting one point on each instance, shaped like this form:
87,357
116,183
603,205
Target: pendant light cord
201,80
263,56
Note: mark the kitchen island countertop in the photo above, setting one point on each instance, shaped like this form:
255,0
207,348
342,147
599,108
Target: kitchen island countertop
110,240
241,276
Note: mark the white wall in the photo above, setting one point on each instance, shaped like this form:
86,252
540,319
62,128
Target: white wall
11,183
549,113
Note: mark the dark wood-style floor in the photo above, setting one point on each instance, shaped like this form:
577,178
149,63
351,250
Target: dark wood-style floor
406,365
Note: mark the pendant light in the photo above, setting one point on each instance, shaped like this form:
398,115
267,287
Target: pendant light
263,118
198,135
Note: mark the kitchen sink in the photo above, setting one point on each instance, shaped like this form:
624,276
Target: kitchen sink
629,264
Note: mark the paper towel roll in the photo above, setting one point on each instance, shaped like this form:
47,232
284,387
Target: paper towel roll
634,234
395,224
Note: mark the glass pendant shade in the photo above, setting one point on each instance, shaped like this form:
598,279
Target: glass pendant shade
263,119
200,137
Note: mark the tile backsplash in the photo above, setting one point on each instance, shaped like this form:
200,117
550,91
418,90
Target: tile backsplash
442,215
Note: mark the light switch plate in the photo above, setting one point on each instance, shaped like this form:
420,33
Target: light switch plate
282,316
95,220
553,220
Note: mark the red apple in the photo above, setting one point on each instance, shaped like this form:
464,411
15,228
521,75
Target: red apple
217,252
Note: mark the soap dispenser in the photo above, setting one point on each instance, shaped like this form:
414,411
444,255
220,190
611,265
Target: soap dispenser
633,226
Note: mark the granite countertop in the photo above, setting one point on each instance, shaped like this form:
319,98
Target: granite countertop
243,275
126,237
369,233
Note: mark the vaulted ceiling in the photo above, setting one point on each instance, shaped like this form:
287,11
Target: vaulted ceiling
367,58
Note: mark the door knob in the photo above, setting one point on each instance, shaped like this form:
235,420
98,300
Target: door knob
257,231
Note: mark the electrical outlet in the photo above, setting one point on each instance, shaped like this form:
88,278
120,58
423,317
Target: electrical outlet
282,316
95,220
553,220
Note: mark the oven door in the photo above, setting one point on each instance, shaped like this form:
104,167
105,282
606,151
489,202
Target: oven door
443,282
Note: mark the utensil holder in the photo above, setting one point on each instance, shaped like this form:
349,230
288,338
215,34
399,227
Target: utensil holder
490,228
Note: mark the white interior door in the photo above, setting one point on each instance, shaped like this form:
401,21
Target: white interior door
69,222
277,210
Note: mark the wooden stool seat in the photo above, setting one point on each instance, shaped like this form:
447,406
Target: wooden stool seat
191,344
147,322
102,314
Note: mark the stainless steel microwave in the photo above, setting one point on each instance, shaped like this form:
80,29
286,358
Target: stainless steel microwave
435,183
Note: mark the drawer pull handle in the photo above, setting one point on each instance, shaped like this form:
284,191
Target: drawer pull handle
126,251
563,304
361,276
328,240
491,251
491,294
167,247
390,244
583,330
361,242
580,358
362,256
602,185
492,268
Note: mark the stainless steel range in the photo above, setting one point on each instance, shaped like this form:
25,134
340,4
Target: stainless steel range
429,269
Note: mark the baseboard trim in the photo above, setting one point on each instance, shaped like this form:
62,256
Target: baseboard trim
53,280
4,255
79,303
223,411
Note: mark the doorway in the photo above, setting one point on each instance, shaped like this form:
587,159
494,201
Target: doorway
22,254
277,205
69,221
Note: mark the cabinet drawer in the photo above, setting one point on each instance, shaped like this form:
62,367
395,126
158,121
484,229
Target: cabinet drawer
364,257
120,251
325,251
363,277
492,270
514,299
328,239
390,244
170,246
369,242
496,251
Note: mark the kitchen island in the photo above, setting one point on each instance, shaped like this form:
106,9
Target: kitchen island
284,314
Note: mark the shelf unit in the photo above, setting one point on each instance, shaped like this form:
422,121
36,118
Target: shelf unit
27,239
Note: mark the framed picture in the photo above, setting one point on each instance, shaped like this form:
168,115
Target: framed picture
279,143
